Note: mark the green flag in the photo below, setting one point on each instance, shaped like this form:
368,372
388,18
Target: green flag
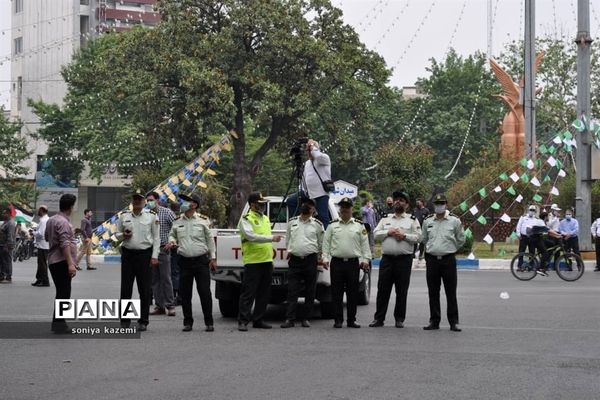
514,236
537,197
495,206
482,220
568,135
579,125
504,176
538,163
512,191
468,233
482,192
524,162
543,149
547,178
525,177
568,148
463,206
552,149
559,164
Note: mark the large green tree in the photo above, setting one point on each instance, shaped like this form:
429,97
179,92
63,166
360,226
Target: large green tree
268,70
13,148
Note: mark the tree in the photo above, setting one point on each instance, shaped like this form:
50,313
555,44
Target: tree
264,69
13,148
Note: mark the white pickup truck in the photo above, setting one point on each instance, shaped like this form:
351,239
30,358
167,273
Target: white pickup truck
230,266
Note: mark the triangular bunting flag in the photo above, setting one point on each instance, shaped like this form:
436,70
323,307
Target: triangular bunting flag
530,164
554,191
523,162
537,198
512,191
562,173
463,206
482,192
488,239
474,210
468,233
505,218
525,177
557,140
504,176
543,149
514,176
482,220
495,206
497,189
514,235
519,199
552,161
535,181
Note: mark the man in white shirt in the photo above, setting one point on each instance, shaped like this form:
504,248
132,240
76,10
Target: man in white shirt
317,169
41,276
526,222
596,237
554,218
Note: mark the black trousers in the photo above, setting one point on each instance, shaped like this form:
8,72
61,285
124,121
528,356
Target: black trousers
597,251
42,266
393,271
438,271
525,243
344,278
62,282
256,289
195,268
572,244
302,274
135,266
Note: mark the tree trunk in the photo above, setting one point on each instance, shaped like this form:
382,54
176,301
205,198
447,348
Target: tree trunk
242,180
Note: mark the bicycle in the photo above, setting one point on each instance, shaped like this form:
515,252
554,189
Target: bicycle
568,266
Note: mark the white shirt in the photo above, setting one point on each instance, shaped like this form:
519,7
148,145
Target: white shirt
312,184
526,222
596,227
553,223
40,240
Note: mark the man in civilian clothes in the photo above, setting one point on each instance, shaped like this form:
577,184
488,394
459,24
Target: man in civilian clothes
569,229
86,246
596,237
8,239
62,254
139,231
41,276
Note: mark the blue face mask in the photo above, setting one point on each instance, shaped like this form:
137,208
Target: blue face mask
185,206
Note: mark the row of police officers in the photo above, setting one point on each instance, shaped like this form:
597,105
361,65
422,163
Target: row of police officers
343,248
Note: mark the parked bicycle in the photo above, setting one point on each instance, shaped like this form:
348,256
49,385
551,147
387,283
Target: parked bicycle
568,266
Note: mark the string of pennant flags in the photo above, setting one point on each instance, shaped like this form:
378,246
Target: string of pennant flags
189,179
546,167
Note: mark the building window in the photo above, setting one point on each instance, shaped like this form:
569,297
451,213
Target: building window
18,42
19,92
18,6
84,2
84,29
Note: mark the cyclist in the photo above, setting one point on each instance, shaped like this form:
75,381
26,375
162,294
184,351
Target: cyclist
526,222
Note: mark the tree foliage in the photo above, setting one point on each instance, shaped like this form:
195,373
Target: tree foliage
13,148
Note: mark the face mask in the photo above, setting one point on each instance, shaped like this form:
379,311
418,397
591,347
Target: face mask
531,213
568,217
261,207
151,204
185,206
305,209
439,208
399,209
390,204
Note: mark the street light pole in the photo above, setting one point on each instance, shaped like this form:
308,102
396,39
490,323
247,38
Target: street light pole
529,77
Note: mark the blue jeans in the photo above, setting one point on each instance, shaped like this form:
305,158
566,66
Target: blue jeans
321,204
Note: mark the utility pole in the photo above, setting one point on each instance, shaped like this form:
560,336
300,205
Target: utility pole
490,22
583,188
529,77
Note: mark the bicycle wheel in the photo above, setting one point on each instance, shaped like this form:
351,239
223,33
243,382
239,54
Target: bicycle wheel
526,271
569,266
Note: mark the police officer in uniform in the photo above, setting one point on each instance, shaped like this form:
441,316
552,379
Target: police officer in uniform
197,257
443,235
257,254
346,249
139,231
399,233
304,239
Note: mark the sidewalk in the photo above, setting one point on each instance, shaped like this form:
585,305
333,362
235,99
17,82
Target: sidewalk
462,263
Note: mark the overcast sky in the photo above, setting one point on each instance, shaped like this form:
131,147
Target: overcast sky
392,28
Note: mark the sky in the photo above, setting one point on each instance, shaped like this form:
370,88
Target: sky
408,33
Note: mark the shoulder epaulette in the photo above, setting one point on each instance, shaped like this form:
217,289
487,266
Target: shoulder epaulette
318,221
334,221
126,212
293,218
413,217
203,216
429,216
453,215
151,212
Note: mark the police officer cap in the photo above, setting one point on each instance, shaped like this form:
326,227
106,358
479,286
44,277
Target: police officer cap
191,197
346,201
401,194
440,198
139,194
256,197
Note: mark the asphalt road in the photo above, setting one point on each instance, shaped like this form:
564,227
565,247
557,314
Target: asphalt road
541,343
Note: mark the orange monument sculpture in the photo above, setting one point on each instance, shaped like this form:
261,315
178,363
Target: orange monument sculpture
512,142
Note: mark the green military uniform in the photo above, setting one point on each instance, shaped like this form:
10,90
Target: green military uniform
443,236
345,245
396,262
136,254
304,240
257,254
196,247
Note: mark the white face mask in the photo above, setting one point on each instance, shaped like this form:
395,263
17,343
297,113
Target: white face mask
531,213
568,217
439,208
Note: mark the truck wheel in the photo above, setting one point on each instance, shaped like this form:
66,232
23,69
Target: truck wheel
326,310
229,308
364,294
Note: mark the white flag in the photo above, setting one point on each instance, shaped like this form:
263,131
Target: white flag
557,140
488,239
474,210
562,173
514,177
471,256
497,189
505,218
530,164
519,199
552,161
554,191
535,182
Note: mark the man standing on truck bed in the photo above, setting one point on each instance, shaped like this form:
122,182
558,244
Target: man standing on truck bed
346,247
257,254
304,239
